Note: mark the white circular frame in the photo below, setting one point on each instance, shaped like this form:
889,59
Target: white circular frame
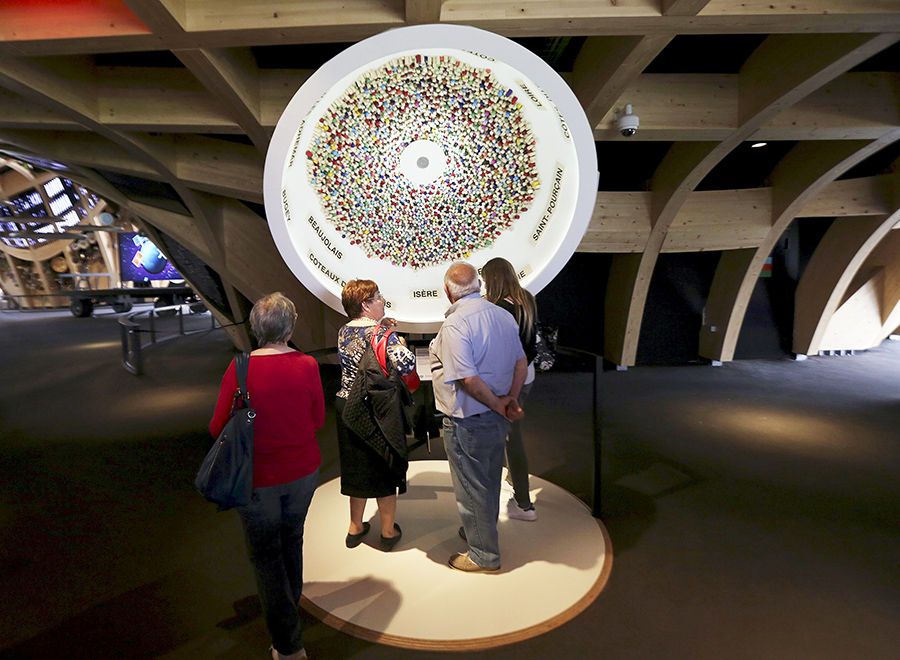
538,245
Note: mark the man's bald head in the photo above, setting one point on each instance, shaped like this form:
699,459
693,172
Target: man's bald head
460,280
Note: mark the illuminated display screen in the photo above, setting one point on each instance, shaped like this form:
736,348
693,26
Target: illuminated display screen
422,146
141,260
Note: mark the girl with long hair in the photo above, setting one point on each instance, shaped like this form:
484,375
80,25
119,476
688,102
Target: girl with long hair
503,289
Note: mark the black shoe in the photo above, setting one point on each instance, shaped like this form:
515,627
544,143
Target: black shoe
388,543
462,534
354,540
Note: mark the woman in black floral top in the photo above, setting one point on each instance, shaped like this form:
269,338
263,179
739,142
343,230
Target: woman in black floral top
363,473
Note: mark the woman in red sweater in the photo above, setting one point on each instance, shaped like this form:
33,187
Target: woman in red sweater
286,391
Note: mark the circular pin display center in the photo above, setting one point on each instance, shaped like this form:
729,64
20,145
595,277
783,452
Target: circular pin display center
423,162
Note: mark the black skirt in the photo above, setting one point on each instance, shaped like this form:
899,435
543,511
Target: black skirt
363,472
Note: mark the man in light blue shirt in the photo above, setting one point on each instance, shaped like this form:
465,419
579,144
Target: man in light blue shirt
477,368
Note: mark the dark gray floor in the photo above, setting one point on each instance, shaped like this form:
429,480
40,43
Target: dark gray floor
753,508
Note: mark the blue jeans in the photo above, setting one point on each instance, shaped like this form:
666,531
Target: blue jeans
273,526
475,447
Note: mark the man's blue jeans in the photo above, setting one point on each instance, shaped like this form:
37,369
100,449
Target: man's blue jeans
475,447
273,524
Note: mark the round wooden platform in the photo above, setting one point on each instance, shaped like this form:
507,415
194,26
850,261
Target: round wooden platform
552,568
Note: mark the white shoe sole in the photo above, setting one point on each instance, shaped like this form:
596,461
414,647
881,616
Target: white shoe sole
514,512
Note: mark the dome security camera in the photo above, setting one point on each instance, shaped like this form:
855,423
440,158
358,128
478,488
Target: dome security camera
627,122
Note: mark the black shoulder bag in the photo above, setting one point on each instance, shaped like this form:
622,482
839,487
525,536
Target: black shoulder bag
226,474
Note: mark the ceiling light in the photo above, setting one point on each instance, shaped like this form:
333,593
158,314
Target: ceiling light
758,144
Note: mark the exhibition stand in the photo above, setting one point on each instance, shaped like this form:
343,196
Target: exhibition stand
552,569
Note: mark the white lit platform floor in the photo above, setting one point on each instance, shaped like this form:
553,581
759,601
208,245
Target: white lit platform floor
552,568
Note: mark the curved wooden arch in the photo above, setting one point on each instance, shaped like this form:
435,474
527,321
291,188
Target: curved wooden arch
50,89
886,261
840,275
815,60
253,266
56,91
825,286
796,180
231,74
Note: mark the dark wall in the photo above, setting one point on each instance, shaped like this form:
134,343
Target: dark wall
573,301
768,328
673,315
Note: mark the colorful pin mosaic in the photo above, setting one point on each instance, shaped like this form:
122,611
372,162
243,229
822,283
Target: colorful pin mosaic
490,177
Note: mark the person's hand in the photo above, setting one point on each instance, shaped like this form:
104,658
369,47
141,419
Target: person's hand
389,322
510,408
514,411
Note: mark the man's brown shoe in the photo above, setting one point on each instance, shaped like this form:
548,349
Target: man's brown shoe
461,562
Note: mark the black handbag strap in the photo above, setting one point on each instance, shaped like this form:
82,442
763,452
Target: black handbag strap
241,369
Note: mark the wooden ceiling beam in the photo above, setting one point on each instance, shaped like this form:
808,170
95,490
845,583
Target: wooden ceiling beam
86,45
697,106
277,88
231,76
787,68
864,196
207,24
588,17
767,7
272,15
63,85
684,107
18,112
680,107
81,148
420,12
219,167
159,99
500,10
620,223
163,17
213,166
606,66
683,7
723,219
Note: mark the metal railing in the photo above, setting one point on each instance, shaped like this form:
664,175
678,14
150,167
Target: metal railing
596,366
167,322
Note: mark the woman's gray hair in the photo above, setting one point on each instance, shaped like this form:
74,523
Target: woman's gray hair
461,279
272,319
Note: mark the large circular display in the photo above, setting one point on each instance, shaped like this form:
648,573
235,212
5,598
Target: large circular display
422,146
423,160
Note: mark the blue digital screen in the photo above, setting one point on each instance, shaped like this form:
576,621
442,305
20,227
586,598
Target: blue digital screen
141,261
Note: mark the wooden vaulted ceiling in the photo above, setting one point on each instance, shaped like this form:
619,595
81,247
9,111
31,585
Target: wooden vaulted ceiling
186,94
